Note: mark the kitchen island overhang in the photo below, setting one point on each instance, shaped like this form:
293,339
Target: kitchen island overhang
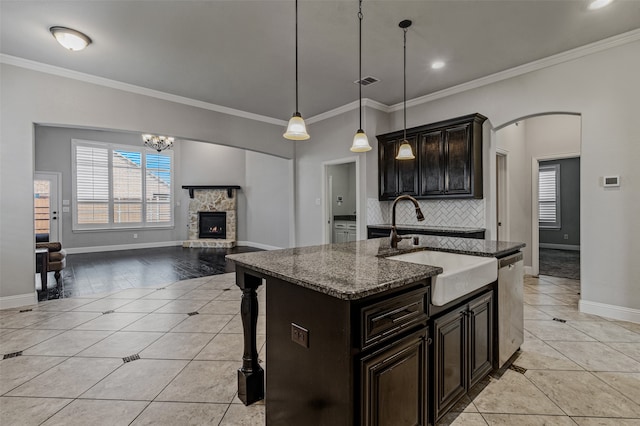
337,288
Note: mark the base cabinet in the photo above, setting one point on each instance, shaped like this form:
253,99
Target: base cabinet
394,384
463,351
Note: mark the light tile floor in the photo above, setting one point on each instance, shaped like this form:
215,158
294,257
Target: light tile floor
584,371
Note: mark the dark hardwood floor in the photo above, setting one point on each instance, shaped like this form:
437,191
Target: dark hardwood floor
560,263
94,273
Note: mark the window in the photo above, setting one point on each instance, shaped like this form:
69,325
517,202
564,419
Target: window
120,186
549,196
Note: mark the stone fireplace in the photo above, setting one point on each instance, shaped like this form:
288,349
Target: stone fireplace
212,217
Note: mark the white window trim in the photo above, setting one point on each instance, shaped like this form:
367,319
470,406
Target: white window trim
558,222
76,227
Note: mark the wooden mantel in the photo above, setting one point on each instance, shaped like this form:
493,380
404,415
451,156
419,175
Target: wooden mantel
227,187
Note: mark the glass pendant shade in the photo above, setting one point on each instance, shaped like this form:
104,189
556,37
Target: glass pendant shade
405,152
360,142
296,130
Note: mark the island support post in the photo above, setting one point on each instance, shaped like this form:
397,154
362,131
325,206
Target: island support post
251,375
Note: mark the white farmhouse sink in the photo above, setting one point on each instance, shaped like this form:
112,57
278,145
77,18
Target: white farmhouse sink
461,273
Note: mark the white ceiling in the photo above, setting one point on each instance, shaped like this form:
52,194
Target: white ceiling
239,53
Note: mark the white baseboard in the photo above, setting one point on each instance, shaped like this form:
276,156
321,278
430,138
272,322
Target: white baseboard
621,313
116,247
528,270
559,246
257,245
19,300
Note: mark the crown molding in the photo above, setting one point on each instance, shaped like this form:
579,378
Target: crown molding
113,84
579,52
569,55
366,103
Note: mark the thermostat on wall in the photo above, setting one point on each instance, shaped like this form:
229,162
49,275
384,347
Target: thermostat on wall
611,181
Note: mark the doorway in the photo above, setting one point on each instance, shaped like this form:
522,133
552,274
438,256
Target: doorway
341,202
558,200
46,205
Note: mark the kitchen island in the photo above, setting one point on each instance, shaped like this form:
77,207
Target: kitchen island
352,337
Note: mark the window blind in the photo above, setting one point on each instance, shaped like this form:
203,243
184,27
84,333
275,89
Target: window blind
548,196
118,186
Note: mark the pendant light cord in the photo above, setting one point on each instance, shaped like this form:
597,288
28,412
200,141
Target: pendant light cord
405,84
297,110
360,59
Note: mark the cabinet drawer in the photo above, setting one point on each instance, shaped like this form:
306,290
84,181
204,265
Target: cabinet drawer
381,320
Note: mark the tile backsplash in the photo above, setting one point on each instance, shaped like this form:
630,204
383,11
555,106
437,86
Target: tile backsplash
462,213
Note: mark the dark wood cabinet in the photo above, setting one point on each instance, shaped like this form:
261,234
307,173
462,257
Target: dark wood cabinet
398,177
394,383
449,334
462,350
378,231
448,161
480,316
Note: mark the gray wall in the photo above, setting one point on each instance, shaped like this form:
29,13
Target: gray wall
204,163
569,204
264,202
269,191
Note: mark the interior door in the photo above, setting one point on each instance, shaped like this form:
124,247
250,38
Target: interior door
46,202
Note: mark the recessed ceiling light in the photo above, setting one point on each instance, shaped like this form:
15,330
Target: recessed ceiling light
598,4
70,39
436,65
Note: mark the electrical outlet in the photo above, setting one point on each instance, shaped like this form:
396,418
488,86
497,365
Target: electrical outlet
299,335
566,236
135,236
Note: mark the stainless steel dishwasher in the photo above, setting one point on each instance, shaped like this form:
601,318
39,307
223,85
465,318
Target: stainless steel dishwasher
510,306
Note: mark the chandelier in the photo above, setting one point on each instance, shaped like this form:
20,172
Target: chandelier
159,143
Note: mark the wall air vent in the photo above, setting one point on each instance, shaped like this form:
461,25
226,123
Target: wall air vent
367,80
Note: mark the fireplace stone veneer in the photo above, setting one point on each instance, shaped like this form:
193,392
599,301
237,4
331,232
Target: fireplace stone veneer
212,200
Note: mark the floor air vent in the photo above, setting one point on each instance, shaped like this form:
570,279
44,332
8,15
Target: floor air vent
12,355
517,369
130,358
560,320
193,313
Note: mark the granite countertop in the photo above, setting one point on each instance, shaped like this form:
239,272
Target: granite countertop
359,269
452,229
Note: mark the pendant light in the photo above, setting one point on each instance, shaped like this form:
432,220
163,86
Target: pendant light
296,130
360,140
405,152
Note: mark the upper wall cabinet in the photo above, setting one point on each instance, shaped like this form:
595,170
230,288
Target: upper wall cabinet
448,161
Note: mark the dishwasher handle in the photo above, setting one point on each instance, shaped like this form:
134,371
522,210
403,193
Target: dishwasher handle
509,260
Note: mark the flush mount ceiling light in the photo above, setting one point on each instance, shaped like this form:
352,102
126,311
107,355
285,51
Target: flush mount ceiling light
599,4
296,130
70,39
436,65
159,143
360,140
405,152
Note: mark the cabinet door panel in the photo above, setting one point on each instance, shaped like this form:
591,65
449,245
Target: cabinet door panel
408,171
481,337
449,359
431,153
388,172
394,384
458,160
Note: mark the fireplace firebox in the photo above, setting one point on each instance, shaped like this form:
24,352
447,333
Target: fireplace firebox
212,225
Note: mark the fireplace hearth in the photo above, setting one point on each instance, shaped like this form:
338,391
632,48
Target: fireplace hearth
212,217
212,225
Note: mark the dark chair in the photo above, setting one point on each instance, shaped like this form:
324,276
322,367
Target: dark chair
56,263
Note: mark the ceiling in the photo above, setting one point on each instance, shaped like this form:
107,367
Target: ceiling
240,54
